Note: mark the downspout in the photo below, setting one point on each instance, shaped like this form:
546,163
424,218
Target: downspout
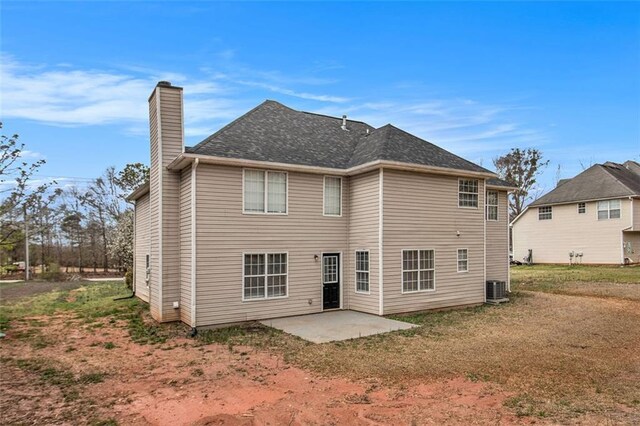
484,242
380,241
194,246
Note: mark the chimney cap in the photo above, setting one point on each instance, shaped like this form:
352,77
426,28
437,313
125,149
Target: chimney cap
164,83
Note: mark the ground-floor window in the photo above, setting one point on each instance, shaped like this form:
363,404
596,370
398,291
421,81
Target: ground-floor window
463,260
418,270
362,271
265,275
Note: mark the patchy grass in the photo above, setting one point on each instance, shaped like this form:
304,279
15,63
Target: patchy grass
599,281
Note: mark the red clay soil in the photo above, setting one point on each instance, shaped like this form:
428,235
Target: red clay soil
181,383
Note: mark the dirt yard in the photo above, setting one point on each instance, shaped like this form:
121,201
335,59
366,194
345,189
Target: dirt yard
77,357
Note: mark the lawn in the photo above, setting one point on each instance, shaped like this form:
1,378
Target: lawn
554,353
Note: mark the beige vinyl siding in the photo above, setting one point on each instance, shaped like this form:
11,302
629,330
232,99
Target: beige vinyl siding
165,205
363,235
600,241
421,212
225,233
498,242
636,214
141,248
185,246
154,208
632,238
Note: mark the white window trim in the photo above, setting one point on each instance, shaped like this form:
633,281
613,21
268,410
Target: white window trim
550,211
463,271
266,297
355,273
402,271
608,209
324,186
476,193
266,192
578,208
487,205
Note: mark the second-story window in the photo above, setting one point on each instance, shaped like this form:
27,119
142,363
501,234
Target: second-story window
332,196
492,205
265,192
582,208
609,209
468,193
545,213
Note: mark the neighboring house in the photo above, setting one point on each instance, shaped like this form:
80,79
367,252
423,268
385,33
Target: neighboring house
595,216
283,212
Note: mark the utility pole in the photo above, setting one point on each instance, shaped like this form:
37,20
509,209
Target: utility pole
26,245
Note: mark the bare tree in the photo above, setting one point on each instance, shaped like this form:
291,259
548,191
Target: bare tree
520,167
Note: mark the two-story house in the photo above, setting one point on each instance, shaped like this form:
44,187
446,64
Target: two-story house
283,212
591,218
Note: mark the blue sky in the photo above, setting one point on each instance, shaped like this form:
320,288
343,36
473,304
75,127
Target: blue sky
475,78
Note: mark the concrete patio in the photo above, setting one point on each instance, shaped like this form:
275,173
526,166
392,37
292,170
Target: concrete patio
336,325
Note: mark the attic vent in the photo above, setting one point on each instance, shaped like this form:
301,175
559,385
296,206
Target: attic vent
344,123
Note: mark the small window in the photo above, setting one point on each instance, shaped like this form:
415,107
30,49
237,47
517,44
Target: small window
582,208
492,205
265,275
332,196
609,209
362,271
265,192
545,213
468,193
463,260
418,270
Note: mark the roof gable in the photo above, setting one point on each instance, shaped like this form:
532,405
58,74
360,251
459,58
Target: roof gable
275,133
599,181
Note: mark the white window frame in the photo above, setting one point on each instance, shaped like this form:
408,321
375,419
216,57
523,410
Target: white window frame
266,192
356,270
458,260
402,271
266,276
608,210
550,212
477,193
324,194
584,208
496,205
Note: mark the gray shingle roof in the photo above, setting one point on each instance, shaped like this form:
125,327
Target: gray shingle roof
499,182
276,133
600,181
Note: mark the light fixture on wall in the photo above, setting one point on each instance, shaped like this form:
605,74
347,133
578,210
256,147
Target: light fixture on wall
457,233
316,257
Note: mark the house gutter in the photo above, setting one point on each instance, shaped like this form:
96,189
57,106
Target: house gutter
182,160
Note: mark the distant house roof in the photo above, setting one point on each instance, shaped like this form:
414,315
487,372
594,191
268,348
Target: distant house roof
600,181
276,133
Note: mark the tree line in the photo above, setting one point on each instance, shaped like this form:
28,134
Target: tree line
86,228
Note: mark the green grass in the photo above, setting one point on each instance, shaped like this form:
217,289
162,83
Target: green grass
88,303
557,274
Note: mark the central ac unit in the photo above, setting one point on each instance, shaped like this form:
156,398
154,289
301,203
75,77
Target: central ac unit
496,291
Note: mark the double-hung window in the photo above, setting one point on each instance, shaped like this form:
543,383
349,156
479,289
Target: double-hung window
545,213
463,260
468,193
492,205
609,209
332,196
582,208
265,192
362,271
418,270
265,275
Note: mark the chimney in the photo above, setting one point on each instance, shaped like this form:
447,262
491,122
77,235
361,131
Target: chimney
344,123
166,143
